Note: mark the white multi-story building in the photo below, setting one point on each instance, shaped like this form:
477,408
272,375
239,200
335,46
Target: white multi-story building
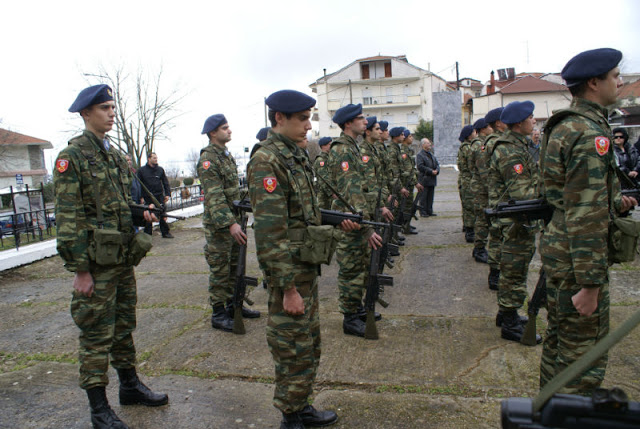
388,87
21,157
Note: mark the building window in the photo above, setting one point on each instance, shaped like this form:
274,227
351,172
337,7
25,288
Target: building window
387,69
389,119
364,68
367,97
412,118
389,93
405,94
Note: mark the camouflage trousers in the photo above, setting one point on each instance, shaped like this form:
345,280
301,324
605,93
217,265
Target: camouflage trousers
294,343
353,258
466,199
518,247
408,205
570,335
495,245
106,321
481,227
221,253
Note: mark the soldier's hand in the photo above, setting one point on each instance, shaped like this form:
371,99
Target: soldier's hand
83,283
586,301
387,215
150,216
404,192
633,174
237,234
375,241
349,225
627,203
292,302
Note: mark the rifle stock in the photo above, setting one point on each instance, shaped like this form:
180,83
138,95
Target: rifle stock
523,210
242,281
158,211
537,301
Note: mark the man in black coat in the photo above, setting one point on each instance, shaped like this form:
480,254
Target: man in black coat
428,169
155,180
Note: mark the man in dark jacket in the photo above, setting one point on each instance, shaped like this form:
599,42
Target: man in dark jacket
626,155
155,180
428,169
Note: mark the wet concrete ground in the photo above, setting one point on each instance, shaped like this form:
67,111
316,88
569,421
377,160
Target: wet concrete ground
439,362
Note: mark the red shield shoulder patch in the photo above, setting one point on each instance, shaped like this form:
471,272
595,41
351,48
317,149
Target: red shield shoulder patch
602,145
206,165
404,156
321,163
270,184
518,168
365,159
62,165
345,166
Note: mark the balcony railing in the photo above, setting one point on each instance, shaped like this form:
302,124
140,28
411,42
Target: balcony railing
379,101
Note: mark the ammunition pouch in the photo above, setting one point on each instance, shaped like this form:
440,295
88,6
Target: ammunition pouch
316,244
372,201
107,247
138,248
623,239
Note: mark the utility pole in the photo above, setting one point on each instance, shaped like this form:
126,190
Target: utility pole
350,93
457,77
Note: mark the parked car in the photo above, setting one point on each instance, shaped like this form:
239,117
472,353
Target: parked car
7,222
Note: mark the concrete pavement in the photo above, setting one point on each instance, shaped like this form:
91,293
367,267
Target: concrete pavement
439,362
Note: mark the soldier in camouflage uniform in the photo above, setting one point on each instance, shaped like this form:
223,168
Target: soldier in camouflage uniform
480,200
578,164
514,175
352,252
92,186
373,167
321,168
394,163
284,203
218,175
482,164
409,178
467,134
383,157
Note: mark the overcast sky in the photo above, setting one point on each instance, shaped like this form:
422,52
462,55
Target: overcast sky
227,56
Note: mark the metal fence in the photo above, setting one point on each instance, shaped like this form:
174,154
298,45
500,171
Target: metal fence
30,219
185,196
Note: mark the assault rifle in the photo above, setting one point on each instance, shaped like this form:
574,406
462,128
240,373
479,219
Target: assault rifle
538,300
522,210
242,281
415,206
605,409
158,211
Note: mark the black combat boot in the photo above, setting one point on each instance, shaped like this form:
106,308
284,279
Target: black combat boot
133,391
469,235
247,313
102,416
291,421
362,314
316,418
494,277
481,255
352,325
394,252
500,318
220,319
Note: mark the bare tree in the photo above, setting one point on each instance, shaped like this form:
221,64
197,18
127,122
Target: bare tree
172,172
192,159
145,116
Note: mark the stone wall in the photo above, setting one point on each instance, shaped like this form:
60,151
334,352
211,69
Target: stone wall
447,122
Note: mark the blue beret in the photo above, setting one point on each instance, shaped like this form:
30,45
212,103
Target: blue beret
465,132
347,113
289,101
479,124
213,122
383,125
89,96
396,131
493,115
324,141
263,133
590,64
517,111
371,121
407,133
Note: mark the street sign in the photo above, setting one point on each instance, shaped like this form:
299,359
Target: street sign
19,180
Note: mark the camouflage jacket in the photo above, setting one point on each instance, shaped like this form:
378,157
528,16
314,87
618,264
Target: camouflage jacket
76,213
394,162
347,172
578,169
409,173
322,168
284,203
513,174
476,149
463,163
482,164
218,175
385,178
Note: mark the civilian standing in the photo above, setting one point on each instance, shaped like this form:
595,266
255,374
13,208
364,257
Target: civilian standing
428,169
154,178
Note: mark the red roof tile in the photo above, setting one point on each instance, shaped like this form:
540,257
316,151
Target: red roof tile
630,90
531,84
10,138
